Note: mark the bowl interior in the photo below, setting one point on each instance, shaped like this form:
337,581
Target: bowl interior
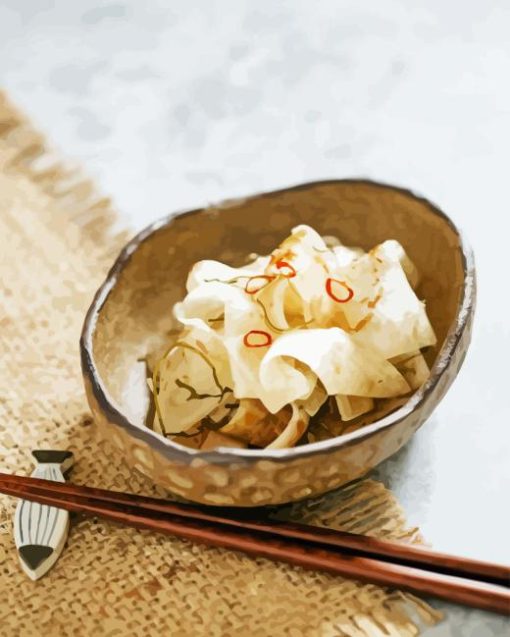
151,273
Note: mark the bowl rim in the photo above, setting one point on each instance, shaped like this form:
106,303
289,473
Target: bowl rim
223,455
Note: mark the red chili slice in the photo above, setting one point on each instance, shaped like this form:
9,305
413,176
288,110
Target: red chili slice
256,333
329,289
252,287
289,270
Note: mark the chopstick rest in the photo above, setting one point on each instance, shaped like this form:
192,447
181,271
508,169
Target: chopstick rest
465,581
40,531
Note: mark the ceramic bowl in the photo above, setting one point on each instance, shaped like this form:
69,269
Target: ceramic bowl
132,311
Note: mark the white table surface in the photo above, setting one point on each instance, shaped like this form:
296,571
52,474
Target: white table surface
173,105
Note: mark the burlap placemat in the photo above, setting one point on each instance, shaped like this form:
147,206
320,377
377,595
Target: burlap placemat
56,243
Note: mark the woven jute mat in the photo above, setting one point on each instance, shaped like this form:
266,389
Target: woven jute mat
56,244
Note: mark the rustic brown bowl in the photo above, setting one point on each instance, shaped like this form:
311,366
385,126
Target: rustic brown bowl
132,311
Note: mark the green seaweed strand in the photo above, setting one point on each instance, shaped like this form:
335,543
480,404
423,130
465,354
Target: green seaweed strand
193,394
207,361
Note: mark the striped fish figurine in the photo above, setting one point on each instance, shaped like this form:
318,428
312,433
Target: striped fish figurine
40,531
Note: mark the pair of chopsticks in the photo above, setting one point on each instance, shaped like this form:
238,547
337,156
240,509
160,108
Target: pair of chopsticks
409,567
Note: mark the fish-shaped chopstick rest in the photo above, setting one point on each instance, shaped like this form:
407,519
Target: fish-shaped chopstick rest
40,531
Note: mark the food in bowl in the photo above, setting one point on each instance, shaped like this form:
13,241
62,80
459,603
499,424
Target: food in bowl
292,347
131,316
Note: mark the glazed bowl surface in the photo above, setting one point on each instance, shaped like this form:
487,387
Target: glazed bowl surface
131,313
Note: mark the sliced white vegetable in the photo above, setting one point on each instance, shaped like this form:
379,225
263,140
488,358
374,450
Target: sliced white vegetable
413,368
295,428
191,378
303,251
356,274
353,406
342,365
345,255
209,271
399,323
315,400
208,302
246,364
242,317
254,424
271,299
393,251
331,321
175,409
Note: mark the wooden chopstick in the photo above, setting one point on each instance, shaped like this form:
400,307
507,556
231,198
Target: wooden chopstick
366,559
256,520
